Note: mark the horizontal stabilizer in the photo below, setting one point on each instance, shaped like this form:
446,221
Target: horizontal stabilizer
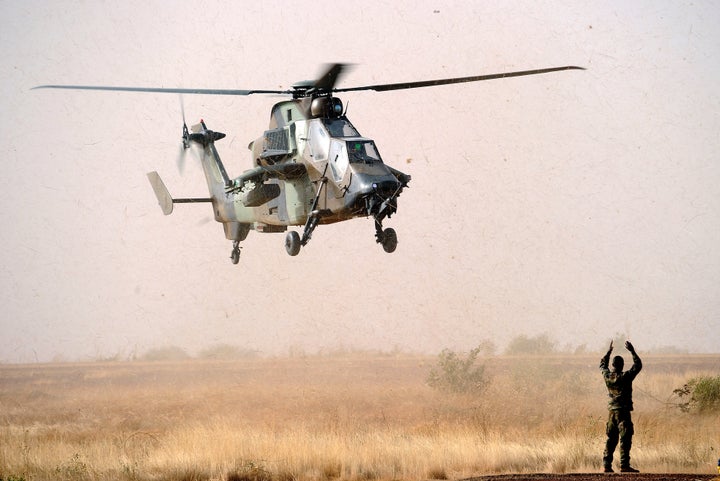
163,195
161,192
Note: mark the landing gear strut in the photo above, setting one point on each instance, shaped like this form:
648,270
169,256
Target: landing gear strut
387,237
293,242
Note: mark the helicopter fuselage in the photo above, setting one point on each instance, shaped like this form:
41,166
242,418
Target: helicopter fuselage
311,164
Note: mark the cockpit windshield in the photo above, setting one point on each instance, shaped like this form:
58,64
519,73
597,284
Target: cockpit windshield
362,151
340,128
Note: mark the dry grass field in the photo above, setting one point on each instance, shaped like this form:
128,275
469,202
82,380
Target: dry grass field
349,417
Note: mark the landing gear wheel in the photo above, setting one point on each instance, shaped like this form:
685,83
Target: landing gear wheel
389,240
292,243
235,254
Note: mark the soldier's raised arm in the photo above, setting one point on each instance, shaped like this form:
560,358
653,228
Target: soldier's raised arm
606,359
637,363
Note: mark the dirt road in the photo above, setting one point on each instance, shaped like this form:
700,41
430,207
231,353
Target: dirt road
598,477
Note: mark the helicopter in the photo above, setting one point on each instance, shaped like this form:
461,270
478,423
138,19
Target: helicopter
310,167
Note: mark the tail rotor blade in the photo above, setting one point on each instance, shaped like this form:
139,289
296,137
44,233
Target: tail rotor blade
182,155
185,139
182,107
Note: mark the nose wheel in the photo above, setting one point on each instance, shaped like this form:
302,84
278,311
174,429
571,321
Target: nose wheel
386,237
389,240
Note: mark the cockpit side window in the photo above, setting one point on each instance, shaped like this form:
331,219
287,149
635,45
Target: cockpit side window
338,159
319,141
362,151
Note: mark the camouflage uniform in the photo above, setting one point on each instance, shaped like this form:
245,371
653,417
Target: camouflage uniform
619,424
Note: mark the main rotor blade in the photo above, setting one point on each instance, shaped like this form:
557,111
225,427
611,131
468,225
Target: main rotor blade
325,83
164,90
328,79
431,83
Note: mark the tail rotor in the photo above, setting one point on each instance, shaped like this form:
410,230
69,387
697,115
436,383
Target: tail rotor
182,154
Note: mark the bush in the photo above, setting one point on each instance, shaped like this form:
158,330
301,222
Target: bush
457,373
702,394
250,471
522,344
227,352
170,353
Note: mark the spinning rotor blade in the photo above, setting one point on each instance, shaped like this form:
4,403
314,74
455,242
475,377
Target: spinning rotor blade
431,83
180,161
324,84
328,80
183,144
164,90
182,108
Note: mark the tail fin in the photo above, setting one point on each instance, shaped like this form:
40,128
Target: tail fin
163,195
215,174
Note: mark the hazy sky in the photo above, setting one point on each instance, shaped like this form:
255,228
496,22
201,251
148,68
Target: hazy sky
577,204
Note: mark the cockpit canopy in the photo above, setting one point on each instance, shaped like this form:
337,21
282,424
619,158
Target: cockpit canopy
340,127
362,150
344,152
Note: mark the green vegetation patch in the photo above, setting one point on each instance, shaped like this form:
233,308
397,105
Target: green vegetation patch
458,373
700,394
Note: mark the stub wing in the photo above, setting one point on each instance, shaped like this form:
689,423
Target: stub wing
262,173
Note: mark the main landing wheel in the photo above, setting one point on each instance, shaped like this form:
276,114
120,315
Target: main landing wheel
389,240
292,243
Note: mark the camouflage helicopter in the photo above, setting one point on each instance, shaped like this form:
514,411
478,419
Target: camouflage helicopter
311,166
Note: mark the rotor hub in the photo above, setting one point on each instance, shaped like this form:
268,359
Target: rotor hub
303,89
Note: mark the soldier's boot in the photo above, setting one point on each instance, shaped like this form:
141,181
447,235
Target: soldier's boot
608,454
607,462
625,445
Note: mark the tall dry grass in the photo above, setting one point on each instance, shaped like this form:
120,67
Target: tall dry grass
344,417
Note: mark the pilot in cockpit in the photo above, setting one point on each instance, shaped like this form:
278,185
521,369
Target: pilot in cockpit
357,152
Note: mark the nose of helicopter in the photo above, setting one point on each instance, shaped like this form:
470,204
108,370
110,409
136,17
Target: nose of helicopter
370,191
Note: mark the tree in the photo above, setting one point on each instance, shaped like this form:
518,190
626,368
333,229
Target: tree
169,353
700,394
522,344
458,373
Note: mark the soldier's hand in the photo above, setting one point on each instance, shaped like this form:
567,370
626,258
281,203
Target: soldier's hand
611,346
629,346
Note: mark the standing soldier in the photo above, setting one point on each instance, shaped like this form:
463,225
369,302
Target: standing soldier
619,424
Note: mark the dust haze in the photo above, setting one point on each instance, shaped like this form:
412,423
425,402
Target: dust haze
581,205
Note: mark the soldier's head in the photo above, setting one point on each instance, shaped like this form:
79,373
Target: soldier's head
618,363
